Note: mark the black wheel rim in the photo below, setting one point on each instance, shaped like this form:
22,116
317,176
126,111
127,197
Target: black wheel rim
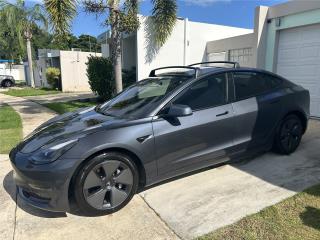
290,134
7,84
108,185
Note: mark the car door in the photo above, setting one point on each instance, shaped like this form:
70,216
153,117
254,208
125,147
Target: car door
257,108
202,138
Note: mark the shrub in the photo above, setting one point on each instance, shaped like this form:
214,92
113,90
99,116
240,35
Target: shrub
101,77
53,76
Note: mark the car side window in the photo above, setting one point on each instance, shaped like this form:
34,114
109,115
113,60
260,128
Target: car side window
249,84
208,92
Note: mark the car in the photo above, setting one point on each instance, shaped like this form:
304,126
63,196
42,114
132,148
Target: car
6,81
178,120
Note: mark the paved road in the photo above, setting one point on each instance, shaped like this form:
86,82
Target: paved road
188,207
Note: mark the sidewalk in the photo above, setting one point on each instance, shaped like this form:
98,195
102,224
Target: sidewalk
61,97
21,221
32,114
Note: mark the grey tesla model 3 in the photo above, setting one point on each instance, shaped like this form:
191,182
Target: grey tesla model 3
178,120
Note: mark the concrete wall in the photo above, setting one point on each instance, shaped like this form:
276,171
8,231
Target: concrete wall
74,71
72,65
238,42
16,71
186,45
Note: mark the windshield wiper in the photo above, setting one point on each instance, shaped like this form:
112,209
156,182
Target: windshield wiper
98,110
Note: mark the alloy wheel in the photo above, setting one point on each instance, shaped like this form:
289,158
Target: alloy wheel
7,84
290,134
108,184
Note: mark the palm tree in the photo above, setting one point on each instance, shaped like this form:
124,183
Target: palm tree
23,20
122,19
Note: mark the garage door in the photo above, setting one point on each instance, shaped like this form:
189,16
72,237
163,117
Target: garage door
299,60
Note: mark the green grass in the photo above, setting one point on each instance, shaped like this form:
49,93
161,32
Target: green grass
63,107
10,128
295,218
20,83
28,91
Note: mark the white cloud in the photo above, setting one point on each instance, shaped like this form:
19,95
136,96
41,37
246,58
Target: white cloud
203,2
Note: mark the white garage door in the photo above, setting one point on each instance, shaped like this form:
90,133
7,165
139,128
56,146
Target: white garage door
299,60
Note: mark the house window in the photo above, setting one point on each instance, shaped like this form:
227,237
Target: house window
241,55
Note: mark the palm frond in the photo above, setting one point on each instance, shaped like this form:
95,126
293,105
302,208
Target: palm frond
61,14
37,15
164,15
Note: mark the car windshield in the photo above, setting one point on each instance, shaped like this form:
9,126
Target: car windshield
142,97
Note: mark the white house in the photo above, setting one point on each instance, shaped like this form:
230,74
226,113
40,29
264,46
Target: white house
186,45
72,65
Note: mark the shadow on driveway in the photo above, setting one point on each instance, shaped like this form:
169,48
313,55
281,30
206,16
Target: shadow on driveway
7,184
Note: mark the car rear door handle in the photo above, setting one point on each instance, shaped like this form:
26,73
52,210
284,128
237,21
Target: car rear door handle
221,114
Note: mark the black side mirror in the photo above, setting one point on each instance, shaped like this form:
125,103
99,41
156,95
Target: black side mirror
178,110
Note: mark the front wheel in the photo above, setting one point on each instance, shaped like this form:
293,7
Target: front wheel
289,135
106,184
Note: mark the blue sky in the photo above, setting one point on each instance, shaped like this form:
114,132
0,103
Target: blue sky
238,13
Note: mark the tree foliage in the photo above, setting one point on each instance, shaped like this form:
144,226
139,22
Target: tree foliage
164,19
53,76
25,20
101,76
61,14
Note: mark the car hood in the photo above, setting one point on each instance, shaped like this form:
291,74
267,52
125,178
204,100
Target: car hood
65,127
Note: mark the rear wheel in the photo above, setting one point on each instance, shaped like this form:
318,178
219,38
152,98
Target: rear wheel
106,184
7,83
289,135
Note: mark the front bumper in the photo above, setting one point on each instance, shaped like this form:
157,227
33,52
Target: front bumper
43,186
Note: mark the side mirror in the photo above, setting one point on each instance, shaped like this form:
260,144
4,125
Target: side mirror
178,110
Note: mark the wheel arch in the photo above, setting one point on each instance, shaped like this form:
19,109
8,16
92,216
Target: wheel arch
133,156
6,79
301,116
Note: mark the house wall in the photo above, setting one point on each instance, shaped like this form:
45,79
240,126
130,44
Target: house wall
16,71
150,57
254,41
238,42
73,70
186,44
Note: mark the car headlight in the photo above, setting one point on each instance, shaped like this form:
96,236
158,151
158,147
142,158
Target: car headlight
50,153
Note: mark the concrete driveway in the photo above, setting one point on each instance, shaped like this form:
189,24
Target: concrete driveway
185,208
201,203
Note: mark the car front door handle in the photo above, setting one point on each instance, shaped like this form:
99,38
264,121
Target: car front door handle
221,114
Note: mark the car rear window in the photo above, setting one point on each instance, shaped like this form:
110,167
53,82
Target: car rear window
249,84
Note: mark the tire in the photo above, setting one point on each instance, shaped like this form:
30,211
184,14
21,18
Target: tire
105,184
288,135
7,83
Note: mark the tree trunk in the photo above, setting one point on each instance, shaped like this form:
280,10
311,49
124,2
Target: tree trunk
116,46
29,53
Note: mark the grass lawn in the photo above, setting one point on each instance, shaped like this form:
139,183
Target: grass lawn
28,91
63,107
10,128
297,217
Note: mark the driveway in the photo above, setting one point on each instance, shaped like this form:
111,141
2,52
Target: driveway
185,208
203,202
